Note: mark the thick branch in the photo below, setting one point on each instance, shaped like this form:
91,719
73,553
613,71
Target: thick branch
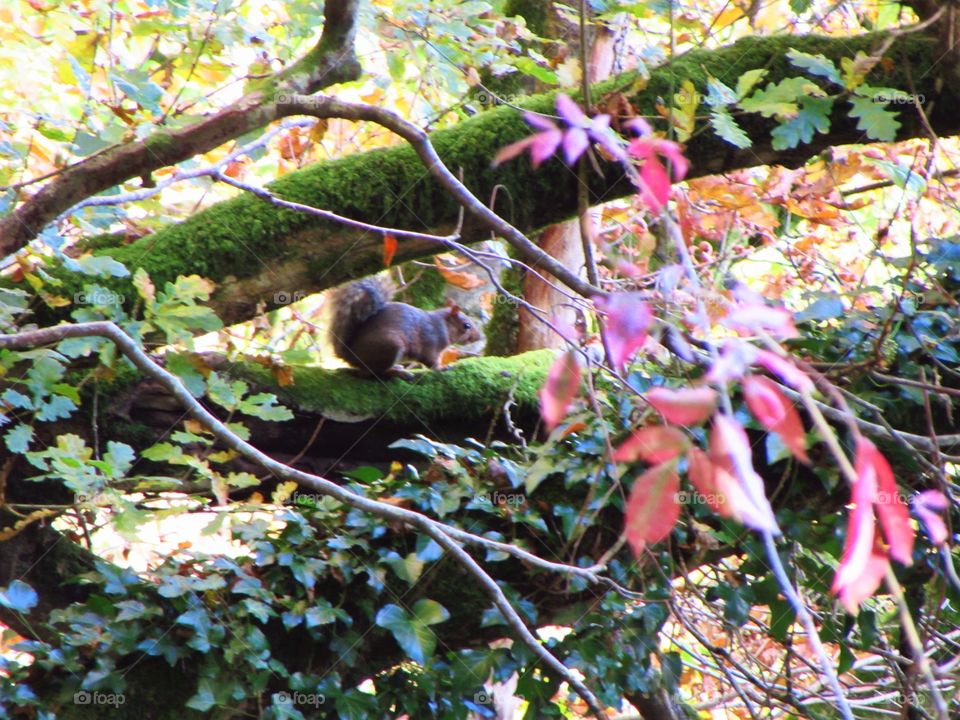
256,251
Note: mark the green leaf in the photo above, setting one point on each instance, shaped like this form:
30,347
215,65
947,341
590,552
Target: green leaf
782,99
727,128
814,116
203,700
815,65
827,307
750,78
96,266
356,705
530,67
412,631
903,175
874,119
18,439
18,596
719,94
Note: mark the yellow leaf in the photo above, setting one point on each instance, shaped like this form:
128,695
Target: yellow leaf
283,492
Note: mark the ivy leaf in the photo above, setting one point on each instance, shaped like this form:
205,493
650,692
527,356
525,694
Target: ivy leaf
874,119
727,128
203,700
815,65
18,596
814,116
412,631
356,705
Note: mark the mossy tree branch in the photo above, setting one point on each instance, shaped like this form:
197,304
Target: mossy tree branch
255,251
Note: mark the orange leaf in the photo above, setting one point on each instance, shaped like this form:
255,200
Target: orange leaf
389,249
653,506
459,278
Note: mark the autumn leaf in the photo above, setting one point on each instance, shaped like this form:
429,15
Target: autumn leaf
703,475
776,413
653,506
929,506
683,407
561,386
389,249
890,505
654,444
864,561
737,482
627,321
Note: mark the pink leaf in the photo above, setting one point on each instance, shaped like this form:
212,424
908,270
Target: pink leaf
735,477
575,142
571,112
750,319
890,505
928,505
544,145
510,151
862,580
628,319
561,386
656,184
860,542
653,506
683,407
786,371
655,444
776,413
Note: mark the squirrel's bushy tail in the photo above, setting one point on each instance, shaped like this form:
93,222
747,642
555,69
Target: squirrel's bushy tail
353,304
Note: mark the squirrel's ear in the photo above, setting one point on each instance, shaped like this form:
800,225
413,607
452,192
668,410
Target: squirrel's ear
454,308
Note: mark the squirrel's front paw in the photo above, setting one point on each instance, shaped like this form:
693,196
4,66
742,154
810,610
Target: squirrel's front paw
399,372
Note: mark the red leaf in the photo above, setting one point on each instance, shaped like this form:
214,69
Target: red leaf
928,505
628,318
653,506
702,474
890,504
683,407
776,413
655,444
561,386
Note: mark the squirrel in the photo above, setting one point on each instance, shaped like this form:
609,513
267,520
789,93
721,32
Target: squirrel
373,334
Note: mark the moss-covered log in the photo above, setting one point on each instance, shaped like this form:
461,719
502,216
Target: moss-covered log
258,252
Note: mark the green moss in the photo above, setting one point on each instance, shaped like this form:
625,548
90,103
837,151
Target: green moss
471,389
502,330
428,291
